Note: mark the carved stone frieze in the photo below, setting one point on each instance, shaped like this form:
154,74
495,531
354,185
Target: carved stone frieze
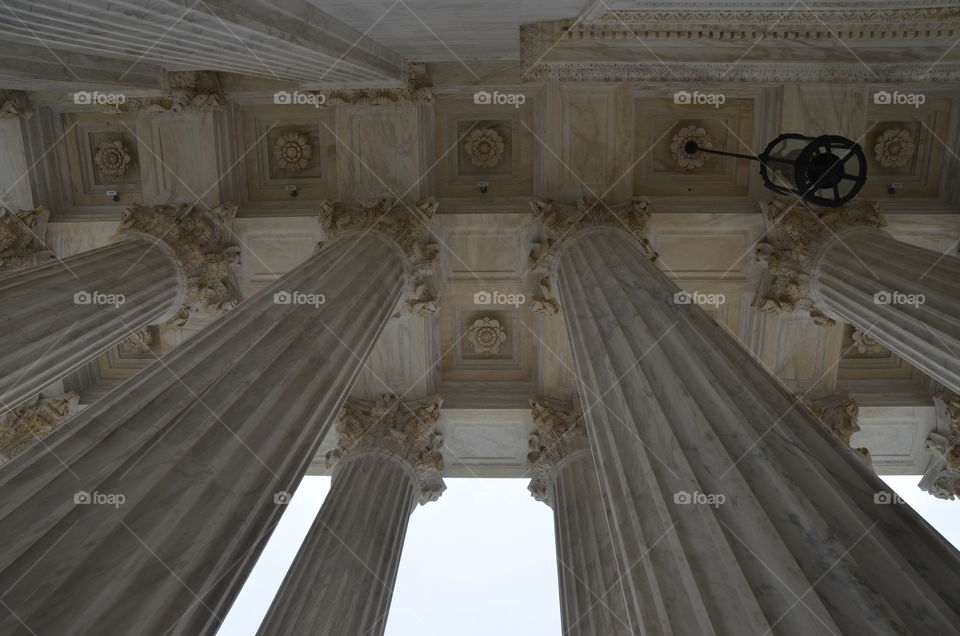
795,236
406,431
560,221
112,158
559,434
21,238
838,413
487,336
407,225
14,104
24,425
203,243
942,479
198,91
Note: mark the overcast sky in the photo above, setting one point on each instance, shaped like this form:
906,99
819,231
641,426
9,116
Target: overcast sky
479,561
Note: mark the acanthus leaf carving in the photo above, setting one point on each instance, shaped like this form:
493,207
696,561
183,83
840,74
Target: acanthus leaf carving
202,242
406,431
24,425
406,225
14,104
559,434
199,91
796,234
838,413
21,238
942,478
559,222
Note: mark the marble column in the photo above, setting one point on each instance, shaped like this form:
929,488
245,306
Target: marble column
152,505
388,459
55,317
839,265
734,511
564,476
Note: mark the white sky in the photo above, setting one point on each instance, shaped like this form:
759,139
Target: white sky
479,561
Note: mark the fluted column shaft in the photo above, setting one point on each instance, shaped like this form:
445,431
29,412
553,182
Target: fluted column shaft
342,579
677,411
197,444
592,601
865,277
57,316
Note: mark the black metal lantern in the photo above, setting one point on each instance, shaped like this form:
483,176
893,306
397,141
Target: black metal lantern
828,170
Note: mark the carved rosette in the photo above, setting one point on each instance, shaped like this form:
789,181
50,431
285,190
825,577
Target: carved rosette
559,222
407,226
686,160
864,343
559,435
203,244
24,425
487,336
485,147
796,234
292,152
405,431
894,148
838,414
199,91
942,479
112,158
14,104
21,238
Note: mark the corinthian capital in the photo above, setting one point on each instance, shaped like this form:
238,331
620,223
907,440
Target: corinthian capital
796,234
22,426
21,238
14,104
408,226
942,478
559,434
199,91
560,222
403,430
838,414
202,242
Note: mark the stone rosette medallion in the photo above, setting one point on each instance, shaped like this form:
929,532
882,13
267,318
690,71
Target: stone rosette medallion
686,160
487,336
292,153
894,148
112,158
485,147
